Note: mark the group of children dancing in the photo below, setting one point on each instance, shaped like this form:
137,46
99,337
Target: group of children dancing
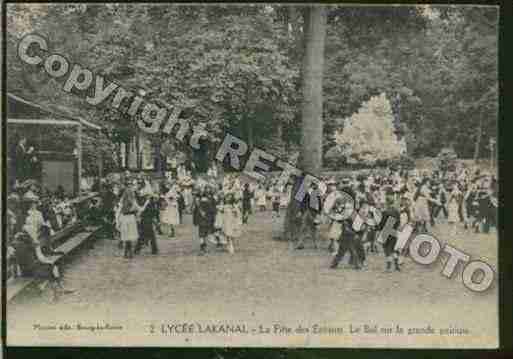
467,200
221,208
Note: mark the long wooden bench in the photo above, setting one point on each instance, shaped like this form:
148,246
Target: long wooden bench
17,285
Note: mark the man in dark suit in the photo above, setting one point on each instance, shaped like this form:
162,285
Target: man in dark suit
21,160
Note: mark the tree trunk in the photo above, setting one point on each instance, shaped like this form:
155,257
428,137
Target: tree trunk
127,154
279,132
138,151
249,132
478,139
120,156
311,113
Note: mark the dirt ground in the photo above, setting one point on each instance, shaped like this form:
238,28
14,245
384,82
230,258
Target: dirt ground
266,288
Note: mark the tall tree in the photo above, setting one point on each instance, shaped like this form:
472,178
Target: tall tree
311,109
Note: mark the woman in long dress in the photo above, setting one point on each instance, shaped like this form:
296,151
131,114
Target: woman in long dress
127,221
34,221
285,197
169,213
219,220
261,198
422,213
454,204
232,220
187,193
148,218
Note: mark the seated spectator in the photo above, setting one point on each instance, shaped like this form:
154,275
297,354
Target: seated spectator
31,194
46,244
49,215
96,185
21,160
60,193
33,263
33,164
94,212
15,206
34,220
84,184
12,265
66,212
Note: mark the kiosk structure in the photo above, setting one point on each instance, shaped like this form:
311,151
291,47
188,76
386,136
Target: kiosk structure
58,168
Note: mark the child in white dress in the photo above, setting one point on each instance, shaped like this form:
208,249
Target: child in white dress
169,214
232,220
219,221
260,195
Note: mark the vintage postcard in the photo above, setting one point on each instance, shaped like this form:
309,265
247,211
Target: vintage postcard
238,175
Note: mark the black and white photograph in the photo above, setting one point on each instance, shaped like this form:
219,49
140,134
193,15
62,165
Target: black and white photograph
251,175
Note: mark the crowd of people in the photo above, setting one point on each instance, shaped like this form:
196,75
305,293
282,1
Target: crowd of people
34,215
139,208
136,210
465,199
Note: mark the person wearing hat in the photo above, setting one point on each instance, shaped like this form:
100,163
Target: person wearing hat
232,220
16,206
34,220
169,212
310,211
180,201
391,254
437,202
286,194
204,216
335,228
109,201
31,194
261,197
247,196
484,210
148,213
334,211
187,190
349,234
275,201
218,237
127,221
454,203
422,214
21,160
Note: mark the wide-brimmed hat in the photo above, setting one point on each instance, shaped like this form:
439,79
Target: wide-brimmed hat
331,181
31,200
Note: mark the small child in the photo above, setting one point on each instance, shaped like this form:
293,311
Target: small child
335,229
275,198
204,214
219,222
232,220
404,219
260,195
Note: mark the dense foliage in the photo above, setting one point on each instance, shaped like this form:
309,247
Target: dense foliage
238,69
